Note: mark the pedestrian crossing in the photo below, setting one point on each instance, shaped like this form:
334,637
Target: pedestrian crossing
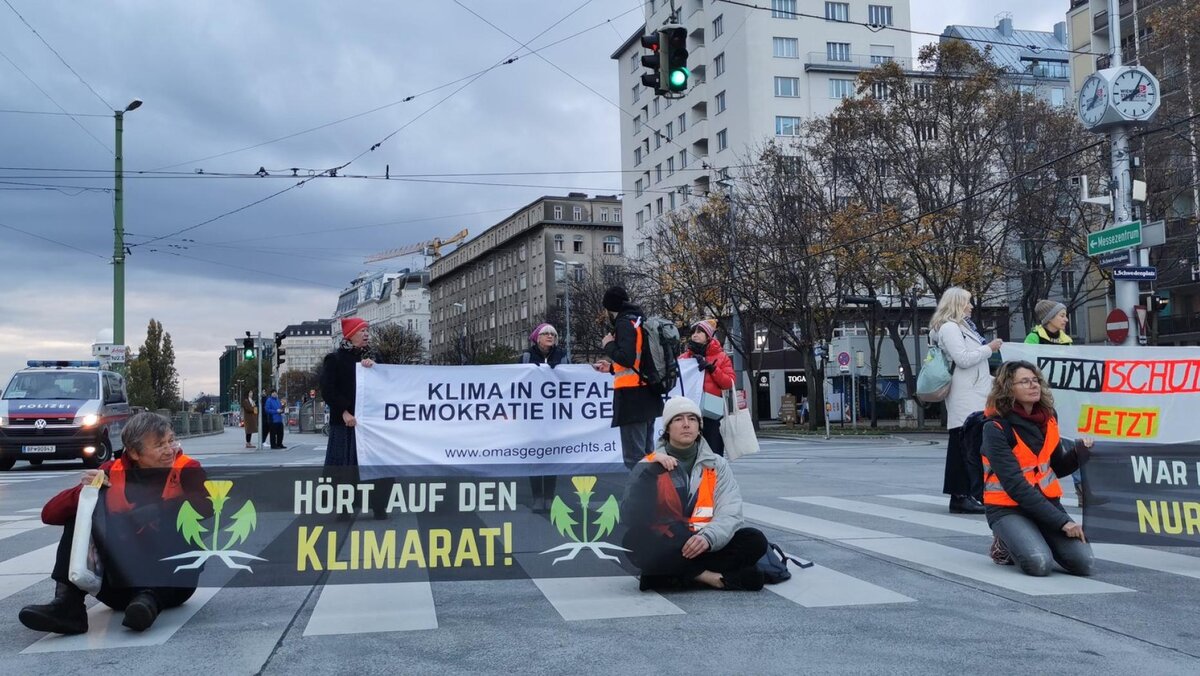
912,531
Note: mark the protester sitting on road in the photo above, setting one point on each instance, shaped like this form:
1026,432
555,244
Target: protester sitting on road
718,377
684,512
953,331
543,349
1023,455
145,488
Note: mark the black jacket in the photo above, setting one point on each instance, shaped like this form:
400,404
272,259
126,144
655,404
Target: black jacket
632,404
534,356
997,448
337,382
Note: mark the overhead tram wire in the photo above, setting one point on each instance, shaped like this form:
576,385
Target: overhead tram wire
875,28
49,112
56,103
53,241
332,172
272,275
508,61
107,106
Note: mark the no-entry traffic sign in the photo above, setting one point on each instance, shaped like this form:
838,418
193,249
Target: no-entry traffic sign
1117,325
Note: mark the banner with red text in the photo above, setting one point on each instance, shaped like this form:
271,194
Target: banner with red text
1125,394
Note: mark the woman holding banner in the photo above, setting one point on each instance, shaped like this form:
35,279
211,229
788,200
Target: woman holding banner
953,331
145,489
1023,455
543,349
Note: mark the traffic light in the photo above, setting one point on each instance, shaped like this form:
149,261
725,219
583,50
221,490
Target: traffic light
1156,304
247,348
279,349
674,55
652,61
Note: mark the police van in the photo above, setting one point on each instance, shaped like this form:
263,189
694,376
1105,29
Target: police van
62,410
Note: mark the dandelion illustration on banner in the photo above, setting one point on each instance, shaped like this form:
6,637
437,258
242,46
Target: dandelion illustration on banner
188,524
606,520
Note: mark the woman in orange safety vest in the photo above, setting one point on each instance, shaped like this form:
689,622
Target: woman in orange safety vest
1023,456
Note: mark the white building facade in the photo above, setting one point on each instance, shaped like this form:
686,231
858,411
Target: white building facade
305,345
756,75
400,298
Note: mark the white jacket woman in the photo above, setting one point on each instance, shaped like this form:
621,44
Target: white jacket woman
955,333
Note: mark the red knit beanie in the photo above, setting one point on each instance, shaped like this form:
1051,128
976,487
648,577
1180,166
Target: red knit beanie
352,325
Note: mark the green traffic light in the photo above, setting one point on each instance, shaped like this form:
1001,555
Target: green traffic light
679,78
248,354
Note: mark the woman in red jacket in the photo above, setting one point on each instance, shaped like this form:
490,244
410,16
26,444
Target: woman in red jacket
144,490
718,377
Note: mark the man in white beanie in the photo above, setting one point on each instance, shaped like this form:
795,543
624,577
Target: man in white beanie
684,512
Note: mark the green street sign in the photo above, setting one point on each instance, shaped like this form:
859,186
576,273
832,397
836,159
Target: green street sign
1124,236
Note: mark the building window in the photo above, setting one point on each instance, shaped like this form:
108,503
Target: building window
641,249
926,131
670,166
637,156
634,62
656,100
657,140
558,243
1057,96
641,219
658,173
683,159
786,48
837,11
720,103
840,89
523,281
637,93
558,212
879,15
612,245
603,214
719,64
520,253
922,91
722,140
670,130
616,215
881,91
682,122
671,201
659,203
760,338
637,124
577,213
783,9
718,26
637,188
787,86
787,126
1068,284
837,51
577,244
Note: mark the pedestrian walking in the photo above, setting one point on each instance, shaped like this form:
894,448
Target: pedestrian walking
635,405
338,389
543,349
1023,455
684,512
952,329
717,367
249,417
274,413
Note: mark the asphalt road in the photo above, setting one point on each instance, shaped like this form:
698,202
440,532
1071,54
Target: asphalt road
900,587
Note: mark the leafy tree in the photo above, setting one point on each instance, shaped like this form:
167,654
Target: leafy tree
153,380
246,377
296,384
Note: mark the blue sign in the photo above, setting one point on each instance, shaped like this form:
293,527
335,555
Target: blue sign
1131,274
1113,259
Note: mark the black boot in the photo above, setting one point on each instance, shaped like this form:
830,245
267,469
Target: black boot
141,611
66,614
965,504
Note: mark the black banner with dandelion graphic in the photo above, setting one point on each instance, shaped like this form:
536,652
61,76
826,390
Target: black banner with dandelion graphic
302,526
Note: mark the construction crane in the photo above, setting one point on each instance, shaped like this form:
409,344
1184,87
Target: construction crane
431,248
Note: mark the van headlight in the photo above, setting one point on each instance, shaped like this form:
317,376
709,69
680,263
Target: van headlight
2,421
89,420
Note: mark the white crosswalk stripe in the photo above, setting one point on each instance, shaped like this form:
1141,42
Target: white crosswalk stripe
350,609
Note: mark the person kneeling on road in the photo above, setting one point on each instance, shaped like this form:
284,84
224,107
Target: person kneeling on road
684,511
145,489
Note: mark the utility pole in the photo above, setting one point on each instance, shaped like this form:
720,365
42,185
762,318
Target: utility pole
735,333
258,355
119,226
916,363
1126,292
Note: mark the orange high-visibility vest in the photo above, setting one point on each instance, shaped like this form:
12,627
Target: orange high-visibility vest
1036,469
624,376
114,497
702,512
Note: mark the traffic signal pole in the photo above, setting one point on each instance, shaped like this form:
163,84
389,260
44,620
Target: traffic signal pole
258,354
1125,292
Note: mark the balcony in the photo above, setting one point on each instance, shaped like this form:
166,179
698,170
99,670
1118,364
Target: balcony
1171,325
856,63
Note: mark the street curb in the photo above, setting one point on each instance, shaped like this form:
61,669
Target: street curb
857,438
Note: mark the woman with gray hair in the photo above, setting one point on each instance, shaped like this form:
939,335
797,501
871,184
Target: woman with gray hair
953,331
144,489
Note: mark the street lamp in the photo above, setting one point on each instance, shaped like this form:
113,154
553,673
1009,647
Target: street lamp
119,226
568,265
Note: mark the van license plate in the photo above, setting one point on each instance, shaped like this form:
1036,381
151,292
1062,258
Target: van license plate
38,449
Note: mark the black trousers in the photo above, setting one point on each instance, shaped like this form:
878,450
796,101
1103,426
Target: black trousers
113,595
276,434
711,431
655,554
543,486
964,468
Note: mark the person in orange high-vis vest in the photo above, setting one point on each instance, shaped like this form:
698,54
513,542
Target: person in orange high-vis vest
1023,456
683,510
635,405
143,490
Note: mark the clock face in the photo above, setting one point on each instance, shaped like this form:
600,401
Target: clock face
1093,100
1135,94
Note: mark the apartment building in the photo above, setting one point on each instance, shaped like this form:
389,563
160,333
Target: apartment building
305,345
400,298
757,74
492,290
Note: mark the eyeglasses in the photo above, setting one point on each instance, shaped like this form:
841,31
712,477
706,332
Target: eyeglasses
1028,382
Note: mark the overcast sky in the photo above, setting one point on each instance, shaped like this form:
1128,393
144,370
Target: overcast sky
218,76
